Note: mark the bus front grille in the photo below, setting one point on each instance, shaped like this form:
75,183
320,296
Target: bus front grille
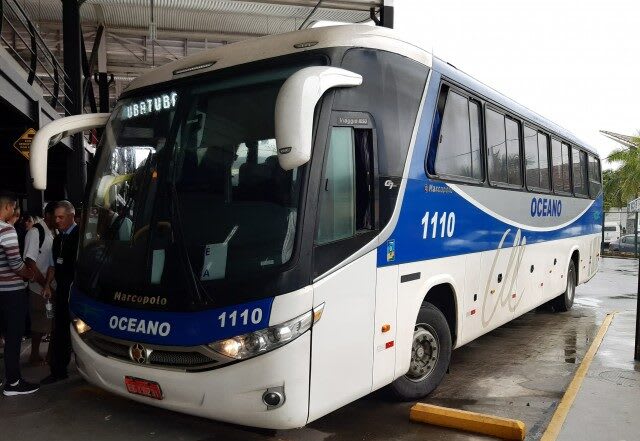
192,359
173,358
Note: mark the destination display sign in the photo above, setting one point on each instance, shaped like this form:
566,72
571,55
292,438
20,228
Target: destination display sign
150,105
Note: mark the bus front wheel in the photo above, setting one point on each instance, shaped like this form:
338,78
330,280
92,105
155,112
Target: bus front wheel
430,356
564,301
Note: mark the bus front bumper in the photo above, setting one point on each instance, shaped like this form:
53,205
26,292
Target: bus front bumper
232,394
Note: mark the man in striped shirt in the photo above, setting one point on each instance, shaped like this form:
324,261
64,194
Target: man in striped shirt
13,299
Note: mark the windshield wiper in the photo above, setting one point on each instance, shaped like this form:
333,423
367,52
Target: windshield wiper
176,219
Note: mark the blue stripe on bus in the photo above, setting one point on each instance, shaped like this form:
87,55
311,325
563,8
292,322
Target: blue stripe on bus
475,229
171,328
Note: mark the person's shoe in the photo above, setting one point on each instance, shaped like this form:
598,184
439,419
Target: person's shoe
21,388
52,379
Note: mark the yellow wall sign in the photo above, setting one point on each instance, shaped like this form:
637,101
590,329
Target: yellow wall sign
23,144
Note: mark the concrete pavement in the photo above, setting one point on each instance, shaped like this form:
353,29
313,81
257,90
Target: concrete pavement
518,371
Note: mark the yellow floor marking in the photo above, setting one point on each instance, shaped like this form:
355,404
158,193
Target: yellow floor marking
470,421
553,429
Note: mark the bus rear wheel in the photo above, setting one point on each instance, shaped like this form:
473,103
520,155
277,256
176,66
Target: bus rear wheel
564,301
430,356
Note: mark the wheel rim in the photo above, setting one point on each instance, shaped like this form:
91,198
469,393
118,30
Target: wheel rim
425,351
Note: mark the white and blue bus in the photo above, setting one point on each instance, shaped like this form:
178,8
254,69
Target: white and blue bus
280,226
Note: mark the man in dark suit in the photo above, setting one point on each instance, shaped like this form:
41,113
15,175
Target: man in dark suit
65,247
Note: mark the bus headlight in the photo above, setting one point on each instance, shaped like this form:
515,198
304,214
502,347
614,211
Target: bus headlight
264,340
80,326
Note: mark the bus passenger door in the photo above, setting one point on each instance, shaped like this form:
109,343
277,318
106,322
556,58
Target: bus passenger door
344,270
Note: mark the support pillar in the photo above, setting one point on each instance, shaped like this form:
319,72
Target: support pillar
386,14
103,81
76,160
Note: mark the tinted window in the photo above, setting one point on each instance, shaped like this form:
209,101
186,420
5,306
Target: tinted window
543,149
579,172
476,152
503,149
560,162
337,195
566,177
531,158
594,176
496,147
458,149
391,94
513,152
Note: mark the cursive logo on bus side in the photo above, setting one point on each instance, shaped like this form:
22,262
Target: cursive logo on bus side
504,298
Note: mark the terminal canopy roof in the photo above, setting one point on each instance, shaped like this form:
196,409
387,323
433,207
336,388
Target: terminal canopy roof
141,34
221,20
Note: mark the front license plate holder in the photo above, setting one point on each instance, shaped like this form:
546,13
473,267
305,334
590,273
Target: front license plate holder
146,388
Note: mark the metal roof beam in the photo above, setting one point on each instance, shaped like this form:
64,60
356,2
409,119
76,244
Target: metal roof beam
169,34
327,4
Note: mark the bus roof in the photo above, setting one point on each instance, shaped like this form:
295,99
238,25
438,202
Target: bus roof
374,37
271,46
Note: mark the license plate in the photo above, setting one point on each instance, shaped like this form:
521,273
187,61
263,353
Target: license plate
146,388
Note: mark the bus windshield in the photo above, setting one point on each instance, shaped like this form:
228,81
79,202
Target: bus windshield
188,198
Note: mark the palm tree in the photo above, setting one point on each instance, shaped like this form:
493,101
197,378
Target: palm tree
611,185
628,175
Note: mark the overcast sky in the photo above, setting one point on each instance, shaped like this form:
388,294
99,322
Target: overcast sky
576,63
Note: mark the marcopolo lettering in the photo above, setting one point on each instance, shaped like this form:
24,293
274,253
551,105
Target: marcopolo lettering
140,326
142,300
545,207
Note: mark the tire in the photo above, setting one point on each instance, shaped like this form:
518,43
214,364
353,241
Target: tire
564,301
431,334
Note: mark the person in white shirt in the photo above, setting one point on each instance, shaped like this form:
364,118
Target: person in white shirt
38,257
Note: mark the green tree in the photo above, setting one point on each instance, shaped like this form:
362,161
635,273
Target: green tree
625,181
612,191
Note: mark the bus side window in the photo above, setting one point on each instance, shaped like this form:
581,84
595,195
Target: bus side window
503,149
536,146
595,183
347,187
580,185
455,141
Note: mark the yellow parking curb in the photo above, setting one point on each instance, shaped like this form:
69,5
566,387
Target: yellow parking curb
504,428
553,429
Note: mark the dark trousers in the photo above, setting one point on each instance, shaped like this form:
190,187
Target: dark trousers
60,351
13,310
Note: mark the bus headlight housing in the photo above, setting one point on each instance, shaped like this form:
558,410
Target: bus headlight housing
80,326
265,340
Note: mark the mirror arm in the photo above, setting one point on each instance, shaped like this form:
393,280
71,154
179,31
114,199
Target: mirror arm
55,131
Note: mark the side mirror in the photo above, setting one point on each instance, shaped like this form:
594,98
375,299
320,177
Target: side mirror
295,105
51,134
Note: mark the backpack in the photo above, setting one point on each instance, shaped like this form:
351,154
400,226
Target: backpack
40,229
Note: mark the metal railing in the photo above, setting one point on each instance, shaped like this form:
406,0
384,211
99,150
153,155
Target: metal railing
22,40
